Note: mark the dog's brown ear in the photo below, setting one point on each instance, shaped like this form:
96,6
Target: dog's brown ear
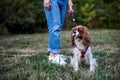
72,37
72,40
86,37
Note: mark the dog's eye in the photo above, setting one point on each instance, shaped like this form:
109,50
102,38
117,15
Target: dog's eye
74,32
79,31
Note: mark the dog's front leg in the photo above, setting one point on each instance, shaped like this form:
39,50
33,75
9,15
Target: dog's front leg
75,60
76,65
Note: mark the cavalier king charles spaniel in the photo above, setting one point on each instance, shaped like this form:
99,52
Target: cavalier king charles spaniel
82,53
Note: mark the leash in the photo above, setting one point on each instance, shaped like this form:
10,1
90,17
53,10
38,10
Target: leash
74,20
71,12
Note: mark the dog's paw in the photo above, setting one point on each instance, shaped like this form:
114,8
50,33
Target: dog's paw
91,73
76,69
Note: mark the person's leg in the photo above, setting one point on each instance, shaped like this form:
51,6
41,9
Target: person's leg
63,9
55,22
59,13
49,24
54,27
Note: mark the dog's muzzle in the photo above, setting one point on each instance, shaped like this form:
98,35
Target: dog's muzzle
76,34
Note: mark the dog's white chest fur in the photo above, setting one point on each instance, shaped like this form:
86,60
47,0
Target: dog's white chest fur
79,44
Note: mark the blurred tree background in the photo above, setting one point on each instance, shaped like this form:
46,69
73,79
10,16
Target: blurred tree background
27,16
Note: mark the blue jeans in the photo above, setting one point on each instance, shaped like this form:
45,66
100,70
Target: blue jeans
55,20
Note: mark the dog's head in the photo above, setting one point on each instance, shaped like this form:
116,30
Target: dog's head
82,33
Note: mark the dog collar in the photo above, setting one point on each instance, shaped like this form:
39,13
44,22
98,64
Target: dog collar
82,51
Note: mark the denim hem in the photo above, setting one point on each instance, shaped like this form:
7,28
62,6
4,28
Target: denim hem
56,51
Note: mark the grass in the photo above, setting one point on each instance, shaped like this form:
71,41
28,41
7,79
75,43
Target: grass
24,57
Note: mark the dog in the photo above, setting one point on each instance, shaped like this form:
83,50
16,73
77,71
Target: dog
82,53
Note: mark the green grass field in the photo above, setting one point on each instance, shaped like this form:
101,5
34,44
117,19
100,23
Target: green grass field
24,57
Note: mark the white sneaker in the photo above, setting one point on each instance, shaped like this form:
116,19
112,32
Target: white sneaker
58,59
50,58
